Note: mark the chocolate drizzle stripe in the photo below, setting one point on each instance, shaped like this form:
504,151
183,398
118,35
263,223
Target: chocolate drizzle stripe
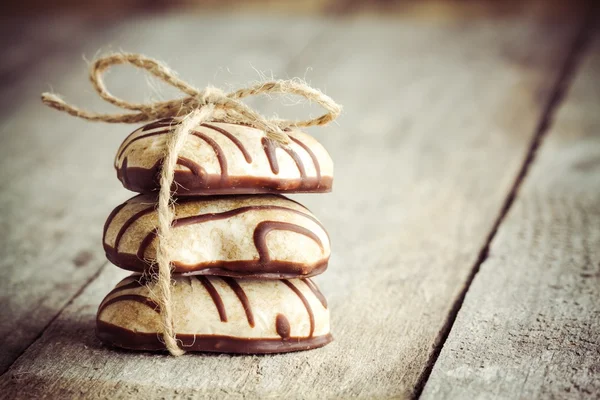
312,156
214,295
241,295
315,291
269,147
130,222
234,139
169,121
263,228
131,297
200,135
306,304
196,219
186,162
146,180
110,218
260,232
135,139
282,326
218,152
145,243
297,160
198,182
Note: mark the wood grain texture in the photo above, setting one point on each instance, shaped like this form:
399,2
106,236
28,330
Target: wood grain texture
56,173
439,116
46,254
530,325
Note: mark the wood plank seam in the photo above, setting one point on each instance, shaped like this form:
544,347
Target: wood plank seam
51,321
565,77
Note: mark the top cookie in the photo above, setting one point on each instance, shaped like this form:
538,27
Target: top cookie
224,158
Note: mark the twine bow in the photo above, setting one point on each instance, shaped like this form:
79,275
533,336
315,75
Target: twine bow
233,109
197,107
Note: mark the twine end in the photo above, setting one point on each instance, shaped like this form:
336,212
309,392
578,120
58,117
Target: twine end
51,99
176,351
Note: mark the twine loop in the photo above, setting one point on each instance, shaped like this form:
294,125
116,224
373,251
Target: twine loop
227,104
197,107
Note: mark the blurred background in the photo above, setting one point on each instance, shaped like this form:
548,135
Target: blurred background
307,6
37,34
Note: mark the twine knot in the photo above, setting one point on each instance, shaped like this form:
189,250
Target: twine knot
196,107
211,95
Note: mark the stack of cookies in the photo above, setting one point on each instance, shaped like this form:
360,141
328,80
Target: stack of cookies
242,254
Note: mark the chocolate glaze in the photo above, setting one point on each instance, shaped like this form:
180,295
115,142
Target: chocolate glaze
214,295
197,182
188,184
234,139
282,326
263,267
241,295
315,291
125,338
306,304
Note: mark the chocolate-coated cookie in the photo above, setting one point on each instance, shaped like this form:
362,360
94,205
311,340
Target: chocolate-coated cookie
218,314
224,158
267,236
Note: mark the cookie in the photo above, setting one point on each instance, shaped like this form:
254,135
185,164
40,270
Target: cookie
267,236
225,158
218,314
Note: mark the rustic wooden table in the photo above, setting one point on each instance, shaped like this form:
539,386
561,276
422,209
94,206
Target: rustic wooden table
465,218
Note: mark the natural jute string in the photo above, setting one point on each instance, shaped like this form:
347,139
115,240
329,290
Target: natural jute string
197,107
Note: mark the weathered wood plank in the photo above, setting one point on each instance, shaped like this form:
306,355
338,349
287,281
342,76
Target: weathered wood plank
439,115
56,174
38,246
530,324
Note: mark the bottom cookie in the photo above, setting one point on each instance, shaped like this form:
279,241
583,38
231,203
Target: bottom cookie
218,314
